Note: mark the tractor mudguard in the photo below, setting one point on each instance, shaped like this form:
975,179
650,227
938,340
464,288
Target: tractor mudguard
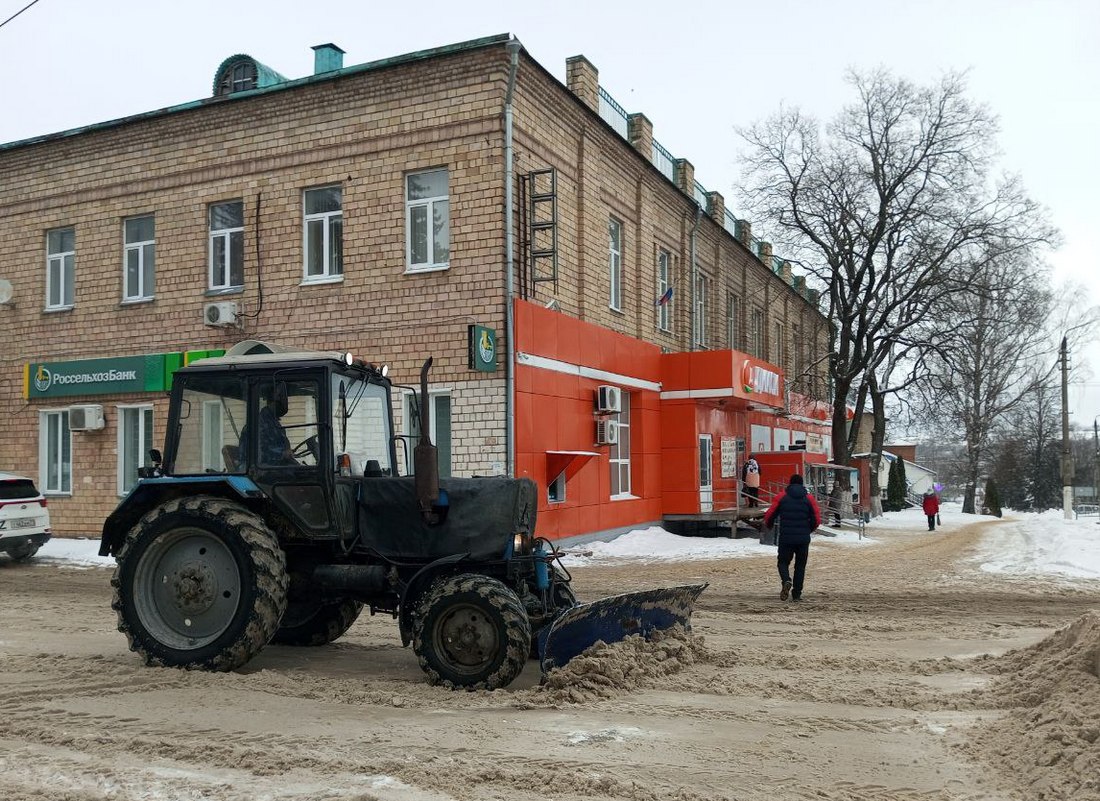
615,618
151,492
421,579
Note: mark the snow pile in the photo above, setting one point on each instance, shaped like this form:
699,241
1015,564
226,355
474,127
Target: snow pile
607,670
1050,737
1043,543
73,553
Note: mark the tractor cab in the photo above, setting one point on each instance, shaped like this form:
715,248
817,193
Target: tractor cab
297,425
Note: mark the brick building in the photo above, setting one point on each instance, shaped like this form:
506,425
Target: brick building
421,205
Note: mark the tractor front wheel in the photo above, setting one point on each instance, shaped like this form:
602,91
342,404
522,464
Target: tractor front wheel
201,583
311,623
471,632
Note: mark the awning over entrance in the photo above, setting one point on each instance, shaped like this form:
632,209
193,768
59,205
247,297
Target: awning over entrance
569,462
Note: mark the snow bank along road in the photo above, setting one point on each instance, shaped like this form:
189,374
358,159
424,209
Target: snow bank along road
907,673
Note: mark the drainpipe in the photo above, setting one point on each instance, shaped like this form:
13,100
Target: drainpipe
694,277
513,48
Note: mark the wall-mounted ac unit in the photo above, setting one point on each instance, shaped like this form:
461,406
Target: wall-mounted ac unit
607,432
608,399
86,417
223,312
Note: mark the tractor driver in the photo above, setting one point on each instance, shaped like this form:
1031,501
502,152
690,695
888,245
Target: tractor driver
274,444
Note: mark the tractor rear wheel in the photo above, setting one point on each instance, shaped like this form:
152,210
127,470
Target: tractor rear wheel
201,583
310,623
471,632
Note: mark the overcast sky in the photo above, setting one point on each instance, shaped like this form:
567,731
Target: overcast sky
697,71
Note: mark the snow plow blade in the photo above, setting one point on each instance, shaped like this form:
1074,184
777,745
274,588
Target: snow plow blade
615,618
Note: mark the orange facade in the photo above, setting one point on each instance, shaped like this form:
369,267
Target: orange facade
683,408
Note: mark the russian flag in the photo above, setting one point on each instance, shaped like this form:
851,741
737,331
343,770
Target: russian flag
665,298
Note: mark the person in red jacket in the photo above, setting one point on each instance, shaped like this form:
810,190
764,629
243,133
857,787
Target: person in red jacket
797,514
931,507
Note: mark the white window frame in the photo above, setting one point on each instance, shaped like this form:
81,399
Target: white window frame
732,340
433,431
430,204
44,456
145,410
144,293
226,235
615,263
701,290
664,281
329,273
617,459
213,438
757,333
66,273
555,489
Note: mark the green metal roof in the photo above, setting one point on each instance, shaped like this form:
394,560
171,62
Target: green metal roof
279,86
265,76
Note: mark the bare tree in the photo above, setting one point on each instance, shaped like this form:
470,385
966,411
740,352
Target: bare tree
986,365
895,205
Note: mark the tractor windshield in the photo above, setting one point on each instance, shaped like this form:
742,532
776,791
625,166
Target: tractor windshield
211,414
361,425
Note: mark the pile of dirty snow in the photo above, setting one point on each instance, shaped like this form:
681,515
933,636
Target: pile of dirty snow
1049,739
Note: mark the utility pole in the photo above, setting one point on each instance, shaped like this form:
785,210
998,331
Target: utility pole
1067,452
1096,465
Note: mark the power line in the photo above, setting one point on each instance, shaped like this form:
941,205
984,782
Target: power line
17,13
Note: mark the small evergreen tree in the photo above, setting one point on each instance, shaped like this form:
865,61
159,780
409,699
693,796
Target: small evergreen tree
904,482
895,488
992,498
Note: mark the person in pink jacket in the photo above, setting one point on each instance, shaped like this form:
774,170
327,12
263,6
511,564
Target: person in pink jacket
931,507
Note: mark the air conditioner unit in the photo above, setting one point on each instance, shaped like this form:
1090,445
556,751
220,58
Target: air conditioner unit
607,432
87,417
221,313
608,399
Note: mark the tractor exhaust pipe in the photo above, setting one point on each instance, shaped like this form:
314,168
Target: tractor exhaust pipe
426,458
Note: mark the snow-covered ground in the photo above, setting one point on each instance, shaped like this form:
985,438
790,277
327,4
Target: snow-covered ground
1024,544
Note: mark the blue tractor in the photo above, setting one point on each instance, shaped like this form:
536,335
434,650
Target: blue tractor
278,512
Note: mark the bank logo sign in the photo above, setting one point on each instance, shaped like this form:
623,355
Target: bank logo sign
95,376
482,348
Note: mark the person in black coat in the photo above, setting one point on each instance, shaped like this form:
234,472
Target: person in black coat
797,514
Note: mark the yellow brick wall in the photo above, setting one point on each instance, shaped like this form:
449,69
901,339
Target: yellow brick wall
363,132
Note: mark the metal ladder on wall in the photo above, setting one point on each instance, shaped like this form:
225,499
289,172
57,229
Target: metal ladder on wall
540,188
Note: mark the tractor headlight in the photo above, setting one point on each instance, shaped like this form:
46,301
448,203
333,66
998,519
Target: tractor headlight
522,543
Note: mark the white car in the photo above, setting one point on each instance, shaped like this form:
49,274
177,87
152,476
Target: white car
24,519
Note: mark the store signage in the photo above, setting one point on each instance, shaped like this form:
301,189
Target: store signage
483,348
757,379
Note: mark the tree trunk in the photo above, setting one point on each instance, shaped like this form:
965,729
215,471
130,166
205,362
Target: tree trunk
878,437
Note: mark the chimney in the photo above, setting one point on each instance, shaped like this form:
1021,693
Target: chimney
641,134
583,80
785,272
327,58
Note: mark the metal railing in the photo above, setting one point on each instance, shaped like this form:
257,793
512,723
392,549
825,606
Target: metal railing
664,161
614,114
731,224
701,197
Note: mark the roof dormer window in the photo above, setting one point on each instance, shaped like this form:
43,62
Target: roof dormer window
238,77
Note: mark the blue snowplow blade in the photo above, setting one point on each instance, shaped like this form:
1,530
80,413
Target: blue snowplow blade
615,618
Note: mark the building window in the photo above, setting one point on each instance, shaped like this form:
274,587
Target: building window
55,450
135,439
619,453
757,334
701,288
324,234
439,426
664,285
733,338
615,262
427,221
237,77
777,346
140,261
60,261
555,490
227,245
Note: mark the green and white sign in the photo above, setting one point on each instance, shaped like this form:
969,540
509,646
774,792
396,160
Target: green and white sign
95,376
483,348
